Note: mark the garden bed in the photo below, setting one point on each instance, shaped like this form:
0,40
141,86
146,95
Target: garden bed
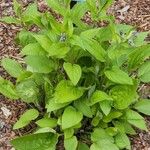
135,12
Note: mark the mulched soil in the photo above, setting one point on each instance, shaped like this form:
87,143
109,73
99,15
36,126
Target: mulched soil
134,12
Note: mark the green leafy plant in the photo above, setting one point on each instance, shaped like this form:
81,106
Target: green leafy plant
81,79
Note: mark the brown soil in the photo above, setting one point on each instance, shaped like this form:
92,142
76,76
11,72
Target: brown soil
134,12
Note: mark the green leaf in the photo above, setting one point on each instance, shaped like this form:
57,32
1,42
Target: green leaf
102,141
138,55
135,119
124,127
17,7
41,141
144,72
47,122
83,146
99,96
143,106
8,89
123,96
100,134
106,107
68,133
122,141
103,145
71,143
91,33
124,29
40,64
10,20
77,12
112,131
25,119
71,117
33,49
56,6
67,2
52,105
112,115
140,38
31,15
58,50
66,92
12,67
90,45
43,40
82,106
96,119
25,38
73,71
105,34
94,48
118,76
28,91
44,130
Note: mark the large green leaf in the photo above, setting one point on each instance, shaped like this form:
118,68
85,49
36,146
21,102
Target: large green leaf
8,89
33,49
122,141
103,145
123,96
124,127
73,71
39,64
25,38
40,141
135,119
144,72
52,105
90,45
105,107
66,92
31,14
112,115
105,34
118,54
138,55
143,106
91,33
12,67
100,134
71,117
94,48
56,6
10,20
82,106
25,119
17,7
83,146
71,143
47,122
43,40
99,96
77,12
58,50
139,40
102,141
68,133
118,76
28,91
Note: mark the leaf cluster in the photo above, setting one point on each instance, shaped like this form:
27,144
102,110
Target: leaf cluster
81,79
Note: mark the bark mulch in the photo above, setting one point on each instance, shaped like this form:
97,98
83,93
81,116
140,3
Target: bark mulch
134,12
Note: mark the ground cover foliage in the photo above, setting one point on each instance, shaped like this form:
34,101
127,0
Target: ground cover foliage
82,80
